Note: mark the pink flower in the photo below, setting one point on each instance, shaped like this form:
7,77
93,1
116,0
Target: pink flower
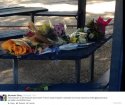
102,23
59,29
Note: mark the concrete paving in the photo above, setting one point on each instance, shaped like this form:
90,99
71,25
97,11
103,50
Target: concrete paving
94,9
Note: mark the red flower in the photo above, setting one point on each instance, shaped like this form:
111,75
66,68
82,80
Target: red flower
102,23
27,89
30,34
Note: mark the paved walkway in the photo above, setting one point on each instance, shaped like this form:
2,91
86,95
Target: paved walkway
94,9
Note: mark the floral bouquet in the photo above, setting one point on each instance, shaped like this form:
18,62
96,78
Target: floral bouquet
37,39
94,31
47,35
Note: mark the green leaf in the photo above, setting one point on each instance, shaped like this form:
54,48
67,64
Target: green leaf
45,87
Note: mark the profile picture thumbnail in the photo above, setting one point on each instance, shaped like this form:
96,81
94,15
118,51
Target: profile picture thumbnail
3,97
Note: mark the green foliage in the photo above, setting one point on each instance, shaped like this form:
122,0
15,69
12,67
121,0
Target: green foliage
51,35
91,24
80,30
47,31
44,29
93,31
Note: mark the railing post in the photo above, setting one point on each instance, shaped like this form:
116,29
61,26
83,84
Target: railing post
116,68
32,18
81,13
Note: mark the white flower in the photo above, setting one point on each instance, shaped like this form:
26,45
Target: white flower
82,34
82,39
86,29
